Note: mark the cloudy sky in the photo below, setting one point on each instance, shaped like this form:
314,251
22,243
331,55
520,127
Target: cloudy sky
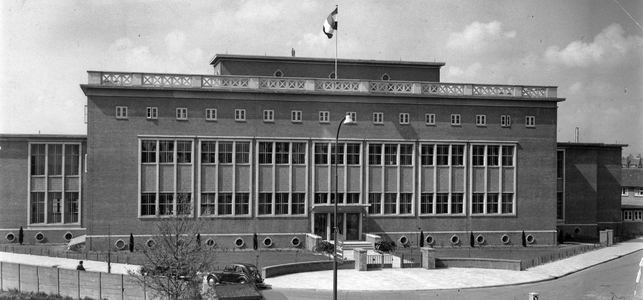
591,50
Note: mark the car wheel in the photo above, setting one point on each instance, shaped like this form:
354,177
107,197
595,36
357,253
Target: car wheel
243,281
213,279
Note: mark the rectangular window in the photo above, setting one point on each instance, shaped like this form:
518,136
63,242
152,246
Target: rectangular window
210,114
426,203
298,153
37,207
324,117
352,153
493,153
340,196
507,155
390,203
455,119
492,203
166,204
148,151
281,203
560,163
627,215
242,204
429,119
530,121
72,159
353,115
375,200
225,152
242,152
507,203
505,120
55,207
282,153
481,120
265,152
321,154
404,118
340,154
239,114
639,193
121,112
208,204
265,203
268,115
375,154
457,155
38,159
166,151
295,116
477,203
457,203
71,207
406,155
298,206
184,152
224,205
560,206
637,215
321,198
208,152
152,113
390,154
55,159
442,203
624,192
443,155
378,118
352,198
427,155
477,154
182,113
406,203
148,204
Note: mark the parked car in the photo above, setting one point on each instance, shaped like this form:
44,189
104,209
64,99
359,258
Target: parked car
236,273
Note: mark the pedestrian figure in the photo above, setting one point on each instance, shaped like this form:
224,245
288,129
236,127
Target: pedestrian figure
80,266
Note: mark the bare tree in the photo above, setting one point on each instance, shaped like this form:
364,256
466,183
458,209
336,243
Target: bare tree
175,260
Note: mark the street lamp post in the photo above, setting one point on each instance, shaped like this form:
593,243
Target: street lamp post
348,121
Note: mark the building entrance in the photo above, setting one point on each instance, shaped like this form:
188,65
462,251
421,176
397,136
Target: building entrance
348,224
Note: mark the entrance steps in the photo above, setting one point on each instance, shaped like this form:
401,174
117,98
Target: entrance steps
350,245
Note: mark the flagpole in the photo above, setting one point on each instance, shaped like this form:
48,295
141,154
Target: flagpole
336,38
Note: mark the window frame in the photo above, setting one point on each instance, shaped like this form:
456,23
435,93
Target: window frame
240,115
296,116
181,113
268,115
429,119
505,121
121,112
152,113
481,120
324,116
378,118
456,120
210,114
530,121
404,119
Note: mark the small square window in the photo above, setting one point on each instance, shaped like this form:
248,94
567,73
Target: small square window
455,119
239,114
505,120
210,114
268,115
378,118
295,116
152,113
181,113
639,193
530,121
481,120
324,117
404,118
429,119
353,115
121,112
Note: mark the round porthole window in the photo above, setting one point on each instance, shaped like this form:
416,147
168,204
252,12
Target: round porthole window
10,237
68,236
576,231
150,243
267,242
210,243
239,242
505,239
295,242
429,240
480,239
40,237
455,239
531,239
404,240
120,244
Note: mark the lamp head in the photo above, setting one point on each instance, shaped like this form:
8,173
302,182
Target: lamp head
348,120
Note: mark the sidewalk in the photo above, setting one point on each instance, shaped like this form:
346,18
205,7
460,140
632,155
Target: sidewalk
387,279
449,278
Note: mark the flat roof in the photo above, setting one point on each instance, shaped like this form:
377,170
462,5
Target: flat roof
590,145
219,57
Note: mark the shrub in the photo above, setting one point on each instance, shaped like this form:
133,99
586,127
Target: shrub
326,247
385,246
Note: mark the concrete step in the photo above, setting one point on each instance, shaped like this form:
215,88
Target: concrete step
349,245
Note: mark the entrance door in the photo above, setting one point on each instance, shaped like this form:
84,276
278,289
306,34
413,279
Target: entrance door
352,226
348,223
321,226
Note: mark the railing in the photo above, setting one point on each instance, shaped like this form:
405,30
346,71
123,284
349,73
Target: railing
114,257
319,85
379,261
529,263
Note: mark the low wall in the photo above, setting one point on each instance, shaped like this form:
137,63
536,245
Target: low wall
311,266
484,263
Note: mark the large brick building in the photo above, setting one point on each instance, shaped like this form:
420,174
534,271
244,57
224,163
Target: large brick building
252,148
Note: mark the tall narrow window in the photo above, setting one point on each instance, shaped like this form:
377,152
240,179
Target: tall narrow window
298,206
477,203
375,200
242,152
281,203
321,154
375,154
507,155
71,207
390,203
427,155
241,204
493,153
224,205
148,151
148,204
38,159
406,154
225,152
208,204
560,163
442,203
352,153
457,155
442,155
72,159
406,203
390,154
507,203
166,204
457,203
426,203
282,153
55,208
208,152
265,152
478,155
37,207
166,151
183,152
492,203
340,154
55,159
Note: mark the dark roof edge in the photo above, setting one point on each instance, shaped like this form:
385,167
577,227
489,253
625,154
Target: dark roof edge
43,136
218,57
590,145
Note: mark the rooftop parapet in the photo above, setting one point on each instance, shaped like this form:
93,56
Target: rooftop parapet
318,85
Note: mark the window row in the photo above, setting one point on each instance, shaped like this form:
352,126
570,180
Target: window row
637,191
54,159
296,116
54,207
633,215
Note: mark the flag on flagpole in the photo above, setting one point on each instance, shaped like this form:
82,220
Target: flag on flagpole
330,24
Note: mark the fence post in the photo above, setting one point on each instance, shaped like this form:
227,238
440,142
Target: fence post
100,285
58,280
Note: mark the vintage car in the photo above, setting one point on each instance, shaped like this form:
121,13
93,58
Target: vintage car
236,273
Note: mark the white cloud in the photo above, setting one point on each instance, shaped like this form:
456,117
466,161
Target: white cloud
480,37
609,46
575,88
175,41
468,74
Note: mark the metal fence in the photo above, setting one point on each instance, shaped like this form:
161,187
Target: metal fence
114,257
379,261
561,254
